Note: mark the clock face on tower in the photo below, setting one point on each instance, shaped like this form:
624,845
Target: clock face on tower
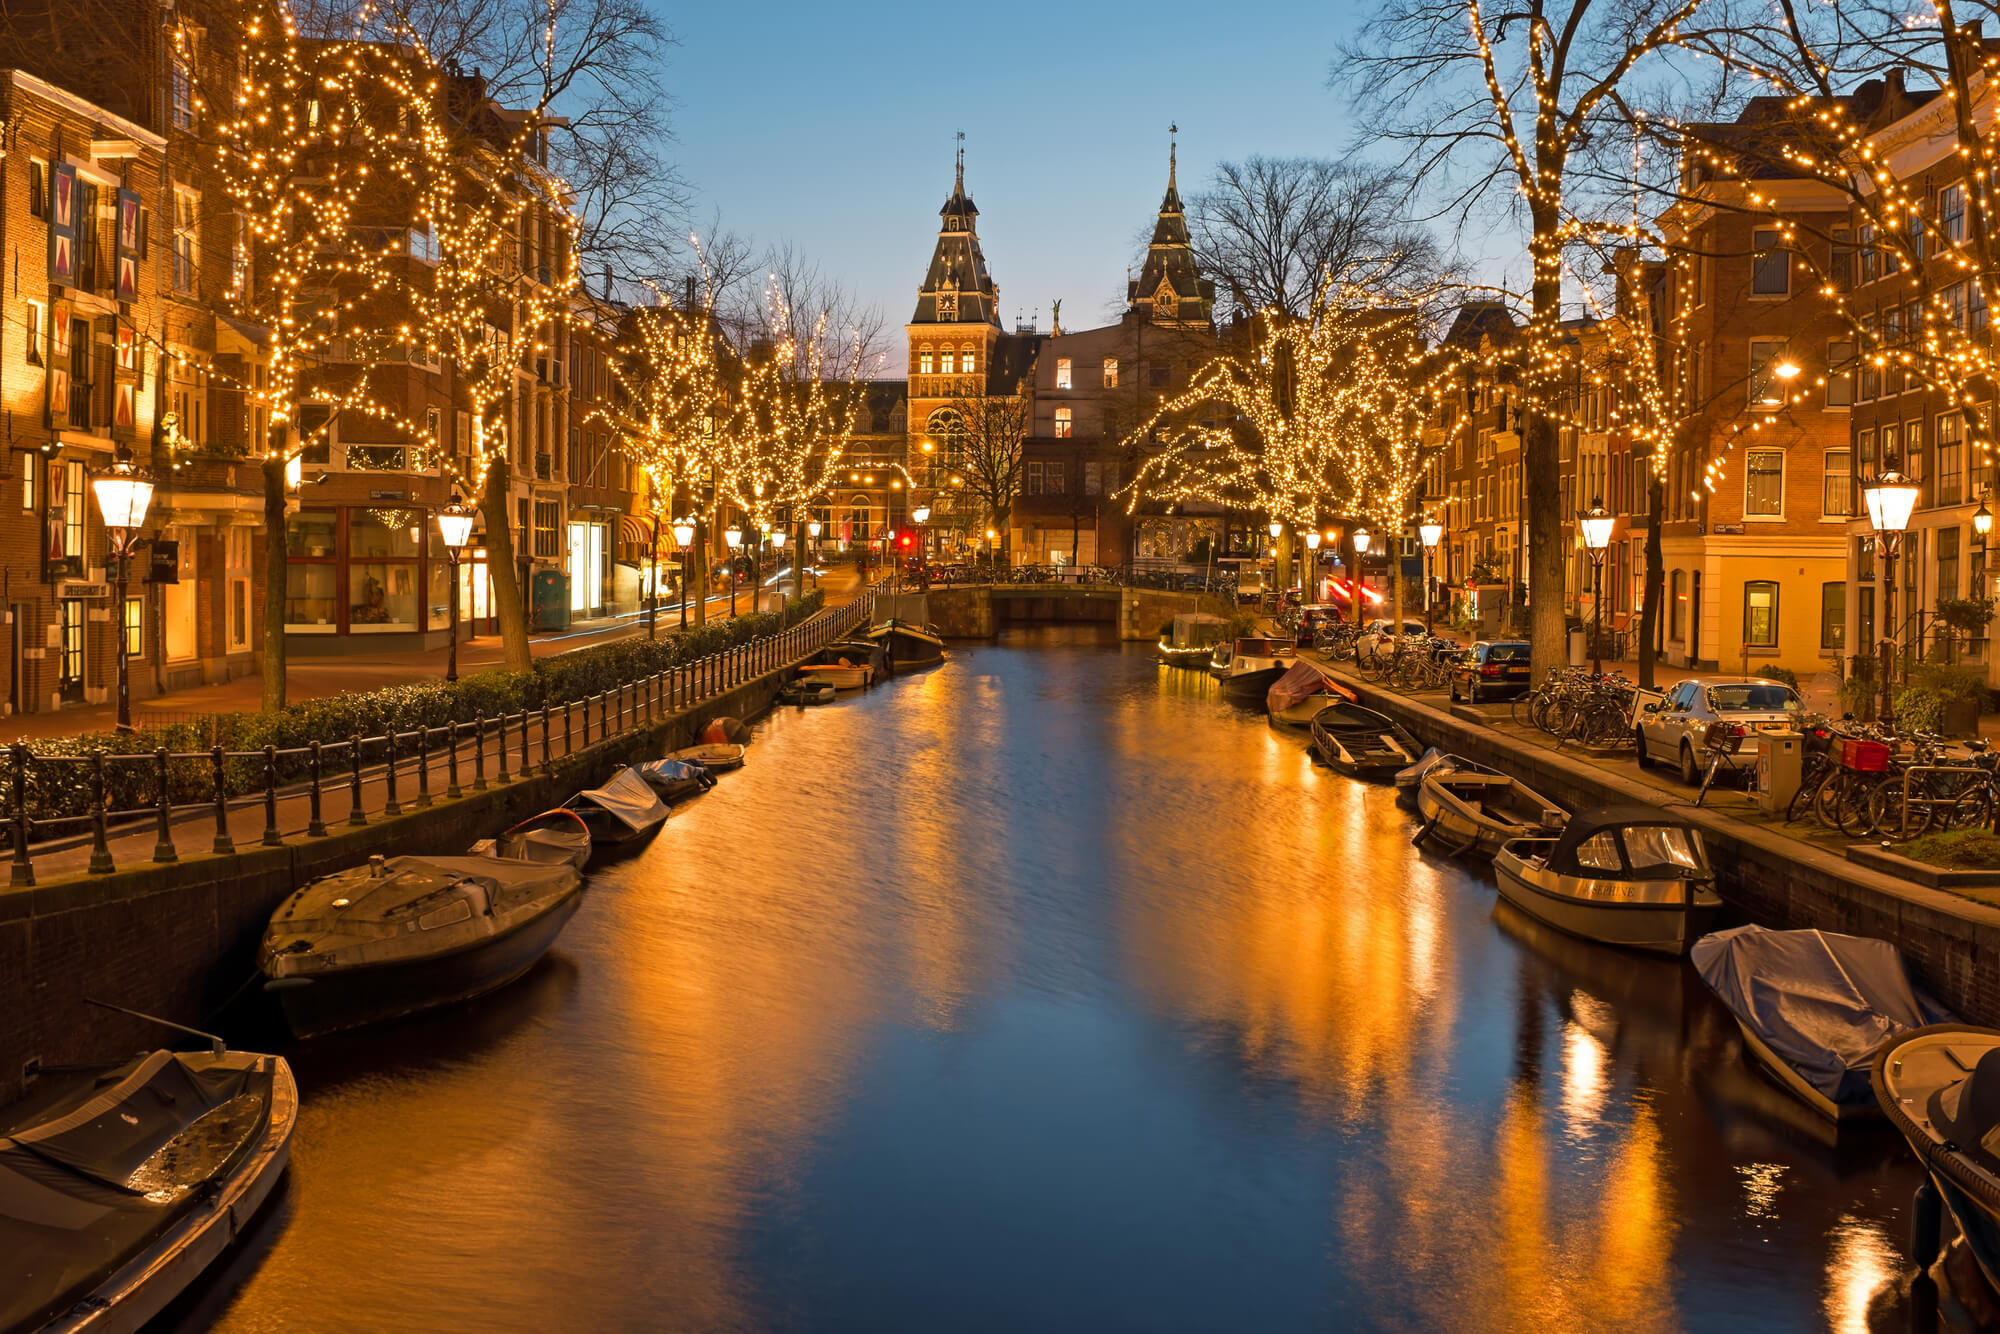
1163,300
947,305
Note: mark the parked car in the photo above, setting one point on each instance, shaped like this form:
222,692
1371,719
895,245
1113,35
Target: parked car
1374,632
1675,729
1490,669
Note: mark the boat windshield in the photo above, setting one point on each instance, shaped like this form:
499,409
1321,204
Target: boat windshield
1759,697
1253,648
1599,852
1665,845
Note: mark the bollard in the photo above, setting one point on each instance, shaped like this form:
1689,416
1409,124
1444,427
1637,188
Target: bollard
479,752
548,755
451,732
355,815
390,806
24,870
163,843
423,766
500,750
100,843
223,842
272,838
315,826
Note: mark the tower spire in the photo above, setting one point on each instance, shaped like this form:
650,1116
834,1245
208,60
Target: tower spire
1172,151
958,186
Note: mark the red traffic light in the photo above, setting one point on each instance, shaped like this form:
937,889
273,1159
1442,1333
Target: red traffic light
908,540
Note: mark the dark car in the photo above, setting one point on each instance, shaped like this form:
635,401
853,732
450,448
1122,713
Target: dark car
1490,671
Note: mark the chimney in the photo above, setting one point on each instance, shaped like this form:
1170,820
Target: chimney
690,291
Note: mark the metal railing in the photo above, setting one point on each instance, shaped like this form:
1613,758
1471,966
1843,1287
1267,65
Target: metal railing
1070,576
345,782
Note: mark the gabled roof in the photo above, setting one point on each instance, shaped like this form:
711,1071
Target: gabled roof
1170,288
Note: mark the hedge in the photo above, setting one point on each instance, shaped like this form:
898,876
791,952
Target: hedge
59,791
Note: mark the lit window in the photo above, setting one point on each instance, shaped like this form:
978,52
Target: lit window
1760,614
1767,390
1111,372
135,625
187,227
183,93
1771,268
1833,616
1764,483
30,478
32,318
1062,373
1837,502
1063,424
946,358
925,362
965,363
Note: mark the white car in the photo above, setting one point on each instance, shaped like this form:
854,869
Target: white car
1676,728
1378,632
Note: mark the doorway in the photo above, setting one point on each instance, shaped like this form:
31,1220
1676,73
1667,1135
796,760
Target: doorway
69,670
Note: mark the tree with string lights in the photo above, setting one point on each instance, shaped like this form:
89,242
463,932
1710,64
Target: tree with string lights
983,441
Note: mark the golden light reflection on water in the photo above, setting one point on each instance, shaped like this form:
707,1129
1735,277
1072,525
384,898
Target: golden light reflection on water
1862,1262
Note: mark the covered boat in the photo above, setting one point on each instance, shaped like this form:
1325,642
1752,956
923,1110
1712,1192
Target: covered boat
725,731
554,837
624,809
1253,666
1623,875
120,1186
1297,697
1814,1006
1189,639
849,664
711,757
1940,1086
403,934
1360,742
676,780
907,645
804,689
1408,780
1477,812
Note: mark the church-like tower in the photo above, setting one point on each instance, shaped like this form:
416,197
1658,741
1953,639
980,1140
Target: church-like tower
1170,290
956,328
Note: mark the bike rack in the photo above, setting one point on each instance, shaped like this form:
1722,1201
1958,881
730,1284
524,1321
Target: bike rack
1903,813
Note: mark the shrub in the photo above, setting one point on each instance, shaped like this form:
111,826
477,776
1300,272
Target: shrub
1951,683
1957,849
1920,708
1781,674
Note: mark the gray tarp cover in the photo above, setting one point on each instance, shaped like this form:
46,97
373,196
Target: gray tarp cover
629,798
1822,1002
1295,686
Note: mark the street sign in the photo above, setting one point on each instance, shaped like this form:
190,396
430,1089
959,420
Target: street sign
165,565
75,589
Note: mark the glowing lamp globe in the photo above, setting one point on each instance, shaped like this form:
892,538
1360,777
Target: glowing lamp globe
1890,497
1361,540
733,536
921,514
1982,522
1276,528
122,496
683,532
1312,541
1596,523
1432,533
455,527
778,539
812,529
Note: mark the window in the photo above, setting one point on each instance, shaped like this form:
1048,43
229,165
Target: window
315,435
1771,267
1760,613
926,363
1837,495
72,508
1950,458
1892,452
1093,478
187,210
135,627
1062,373
1767,390
1870,385
1975,301
30,478
1833,616
1677,605
32,318
183,91
1954,305
947,362
1951,212
1839,375
1063,424
1868,253
38,188
1841,268
548,528
1764,484
239,252
1111,372
1055,480
1032,477
1947,562
965,363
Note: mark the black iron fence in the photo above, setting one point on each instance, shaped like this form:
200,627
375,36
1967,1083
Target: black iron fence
347,781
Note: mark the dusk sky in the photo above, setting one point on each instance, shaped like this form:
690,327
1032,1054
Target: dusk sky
835,130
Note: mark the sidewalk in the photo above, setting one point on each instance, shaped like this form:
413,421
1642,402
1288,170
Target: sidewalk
314,678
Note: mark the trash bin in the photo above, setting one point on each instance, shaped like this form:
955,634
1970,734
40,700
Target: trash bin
1780,756
550,600
1577,656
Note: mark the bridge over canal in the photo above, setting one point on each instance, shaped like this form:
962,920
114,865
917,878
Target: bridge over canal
980,611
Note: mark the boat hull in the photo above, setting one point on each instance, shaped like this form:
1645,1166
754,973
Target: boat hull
352,997
1185,657
1450,822
1908,1070
1795,1083
840,678
1663,928
1253,684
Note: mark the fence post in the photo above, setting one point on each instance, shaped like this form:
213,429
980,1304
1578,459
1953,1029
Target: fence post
355,815
272,838
223,842
391,806
526,769
100,844
500,750
569,727
163,843
479,752
423,765
24,870
451,762
548,755
315,825
603,716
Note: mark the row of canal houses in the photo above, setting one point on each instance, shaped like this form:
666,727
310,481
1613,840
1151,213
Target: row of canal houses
1767,317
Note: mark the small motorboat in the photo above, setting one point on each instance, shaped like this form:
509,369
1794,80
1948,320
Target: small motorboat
1474,812
403,934
1253,667
1433,761
623,810
1297,697
553,837
1360,742
711,757
1940,1086
803,690
1814,1006
725,731
848,666
676,780
907,645
118,1187
1189,639
1623,875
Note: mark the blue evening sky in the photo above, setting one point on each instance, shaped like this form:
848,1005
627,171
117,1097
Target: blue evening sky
833,128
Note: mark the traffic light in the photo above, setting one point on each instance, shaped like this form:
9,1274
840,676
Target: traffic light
907,540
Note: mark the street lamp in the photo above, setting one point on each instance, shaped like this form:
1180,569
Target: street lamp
734,538
1596,523
1982,524
1890,497
813,531
123,494
1430,532
455,527
683,539
1355,585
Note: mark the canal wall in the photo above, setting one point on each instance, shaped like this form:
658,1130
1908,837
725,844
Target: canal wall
180,940
1952,943
983,610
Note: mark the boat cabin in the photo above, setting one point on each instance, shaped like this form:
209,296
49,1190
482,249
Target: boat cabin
1629,843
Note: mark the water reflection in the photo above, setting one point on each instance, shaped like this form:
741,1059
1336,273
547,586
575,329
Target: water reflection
1045,991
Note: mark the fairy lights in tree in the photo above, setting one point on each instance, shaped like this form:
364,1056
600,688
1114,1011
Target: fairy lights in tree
804,391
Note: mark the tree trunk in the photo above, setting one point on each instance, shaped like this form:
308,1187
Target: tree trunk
274,575
507,604
1543,522
1281,565
1396,579
1656,581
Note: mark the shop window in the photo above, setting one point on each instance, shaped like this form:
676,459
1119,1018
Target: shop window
382,547
1760,614
310,597
1833,616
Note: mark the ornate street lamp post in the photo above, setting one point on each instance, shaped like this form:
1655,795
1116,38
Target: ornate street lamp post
123,493
1596,524
1890,497
1309,575
733,538
1431,532
1982,524
455,527
812,531
778,547
1355,585
683,535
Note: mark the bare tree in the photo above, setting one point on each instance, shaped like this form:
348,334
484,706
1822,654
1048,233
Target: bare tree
985,446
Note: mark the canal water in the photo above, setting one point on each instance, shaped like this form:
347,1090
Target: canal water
1047,991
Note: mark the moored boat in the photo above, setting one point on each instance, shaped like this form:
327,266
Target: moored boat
118,1189
849,664
1631,876
402,934
557,836
803,690
1940,1086
624,809
676,780
1189,639
1409,779
1360,742
1477,812
713,758
907,645
1297,697
1253,666
1814,1007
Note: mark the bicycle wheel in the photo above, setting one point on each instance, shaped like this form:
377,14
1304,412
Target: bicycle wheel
1522,713
1973,809
1857,806
1802,801
1889,815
